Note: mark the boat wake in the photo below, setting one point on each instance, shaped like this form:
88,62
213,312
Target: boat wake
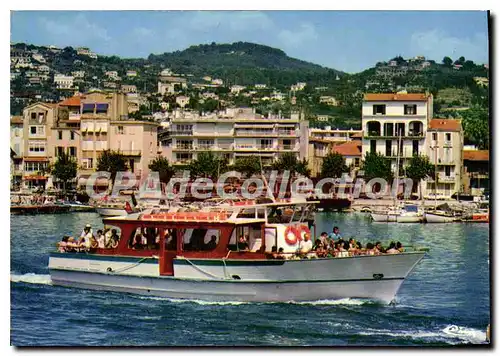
344,301
451,334
31,278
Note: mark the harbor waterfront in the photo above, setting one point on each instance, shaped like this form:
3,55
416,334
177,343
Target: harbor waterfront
445,301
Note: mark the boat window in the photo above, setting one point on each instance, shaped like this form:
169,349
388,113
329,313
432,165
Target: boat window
200,239
145,238
170,239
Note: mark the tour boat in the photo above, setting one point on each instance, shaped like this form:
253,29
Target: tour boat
181,261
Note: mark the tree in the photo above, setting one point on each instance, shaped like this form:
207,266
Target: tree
476,126
64,169
418,169
207,165
247,165
376,165
162,166
447,61
333,166
112,162
289,162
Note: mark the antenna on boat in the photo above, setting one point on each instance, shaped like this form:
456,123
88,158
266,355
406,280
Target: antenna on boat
266,185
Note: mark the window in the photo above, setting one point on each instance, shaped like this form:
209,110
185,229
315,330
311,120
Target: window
378,109
35,166
373,146
410,109
388,148
415,147
32,130
36,147
72,135
356,162
434,136
33,115
59,135
16,132
72,151
266,143
200,240
16,148
120,130
448,136
447,171
59,151
145,238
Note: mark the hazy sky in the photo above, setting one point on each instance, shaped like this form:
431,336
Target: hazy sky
350,41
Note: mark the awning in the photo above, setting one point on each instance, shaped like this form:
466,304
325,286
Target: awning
88,108
36,159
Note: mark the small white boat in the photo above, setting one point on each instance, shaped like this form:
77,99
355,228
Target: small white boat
439,217
410,214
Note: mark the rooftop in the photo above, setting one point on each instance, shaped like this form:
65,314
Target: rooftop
351,148
73,101
16,119
396,97
476,155
445,125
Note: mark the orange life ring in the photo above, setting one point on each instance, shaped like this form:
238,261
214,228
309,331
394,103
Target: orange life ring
302,228
291,230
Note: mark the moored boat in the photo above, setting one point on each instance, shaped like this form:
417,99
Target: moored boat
196,255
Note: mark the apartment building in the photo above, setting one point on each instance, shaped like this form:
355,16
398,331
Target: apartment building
335,135
476,178
237,132
66,135
17,149
444,147
63,81
38,119
388,117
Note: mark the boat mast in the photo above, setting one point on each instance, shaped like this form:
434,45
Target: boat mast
397,168
435,174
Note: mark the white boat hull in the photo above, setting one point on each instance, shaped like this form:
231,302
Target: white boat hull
111,211
437,218
372,277
379,217
409,218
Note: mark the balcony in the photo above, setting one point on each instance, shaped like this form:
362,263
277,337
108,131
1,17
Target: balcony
205,147
246,147
131,152
266,148
181,133
183,147
446,179
255,133
287,133
286,147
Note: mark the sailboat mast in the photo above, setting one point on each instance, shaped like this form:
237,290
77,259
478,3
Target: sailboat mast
397,168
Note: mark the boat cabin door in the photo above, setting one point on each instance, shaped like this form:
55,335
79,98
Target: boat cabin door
168,251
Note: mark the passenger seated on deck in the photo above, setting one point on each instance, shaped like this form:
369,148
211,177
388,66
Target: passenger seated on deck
112,242
324,239
335,235
100,239
342,249
137,245
319,249
61,246
281,254
72,245
243,244
399,247
353,247
370,249
107,236
305,246
274,252
378,248
212,243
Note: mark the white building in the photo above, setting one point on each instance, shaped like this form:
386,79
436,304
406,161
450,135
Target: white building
38,57
131,73
237,132
236,89
299,86
328,100
218,82
182,101
78,73
385,117
63,81
277,96
260,86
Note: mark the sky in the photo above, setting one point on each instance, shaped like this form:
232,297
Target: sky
350,41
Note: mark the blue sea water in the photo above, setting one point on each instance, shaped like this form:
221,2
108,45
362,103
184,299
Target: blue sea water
445,301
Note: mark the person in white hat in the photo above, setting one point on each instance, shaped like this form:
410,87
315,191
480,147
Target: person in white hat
86,235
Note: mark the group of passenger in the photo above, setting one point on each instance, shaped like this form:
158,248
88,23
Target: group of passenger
105,238
334,245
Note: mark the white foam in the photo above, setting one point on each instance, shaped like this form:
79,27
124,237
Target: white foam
343,301
31,278
449,334
196,301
